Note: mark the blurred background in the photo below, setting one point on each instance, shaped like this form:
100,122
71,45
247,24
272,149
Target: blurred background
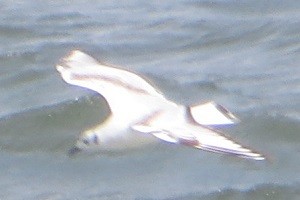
244,55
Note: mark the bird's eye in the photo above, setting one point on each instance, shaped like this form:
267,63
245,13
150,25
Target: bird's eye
95,139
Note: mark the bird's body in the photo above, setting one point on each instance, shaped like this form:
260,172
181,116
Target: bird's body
141,115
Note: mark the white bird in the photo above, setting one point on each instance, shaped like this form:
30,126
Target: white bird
140,114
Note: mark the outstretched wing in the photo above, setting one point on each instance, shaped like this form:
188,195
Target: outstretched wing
115,85
196,136
80,69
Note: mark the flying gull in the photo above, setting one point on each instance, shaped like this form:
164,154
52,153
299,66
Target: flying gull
140,114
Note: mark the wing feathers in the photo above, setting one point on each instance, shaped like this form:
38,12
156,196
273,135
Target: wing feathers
197,136
242,152
80,69
216,141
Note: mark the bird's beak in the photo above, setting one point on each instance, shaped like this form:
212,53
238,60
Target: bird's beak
73,151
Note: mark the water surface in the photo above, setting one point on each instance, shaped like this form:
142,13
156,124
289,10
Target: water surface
244,55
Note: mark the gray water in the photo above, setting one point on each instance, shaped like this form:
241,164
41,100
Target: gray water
242,54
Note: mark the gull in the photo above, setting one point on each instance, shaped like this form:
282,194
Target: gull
141,115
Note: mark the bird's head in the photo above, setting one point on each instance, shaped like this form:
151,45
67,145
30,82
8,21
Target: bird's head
86,141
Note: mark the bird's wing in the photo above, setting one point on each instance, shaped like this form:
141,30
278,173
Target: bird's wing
80,69
124,91
195,136
211,114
